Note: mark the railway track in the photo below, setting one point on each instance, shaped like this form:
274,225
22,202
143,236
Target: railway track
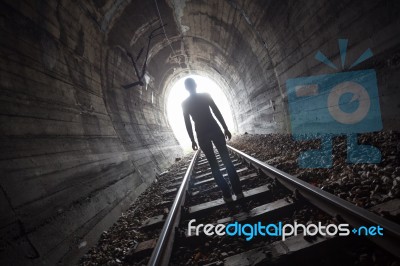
274,198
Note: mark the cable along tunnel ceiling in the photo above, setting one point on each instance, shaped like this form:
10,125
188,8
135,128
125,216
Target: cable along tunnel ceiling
78,148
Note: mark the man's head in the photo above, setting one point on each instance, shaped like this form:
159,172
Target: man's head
190,85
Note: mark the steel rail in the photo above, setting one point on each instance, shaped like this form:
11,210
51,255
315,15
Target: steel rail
333,205
163,249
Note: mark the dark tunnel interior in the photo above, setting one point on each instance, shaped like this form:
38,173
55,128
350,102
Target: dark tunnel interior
78,148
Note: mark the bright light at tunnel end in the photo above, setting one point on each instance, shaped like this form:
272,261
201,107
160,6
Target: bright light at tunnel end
178,94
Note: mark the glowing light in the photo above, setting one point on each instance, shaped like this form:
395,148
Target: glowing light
178,94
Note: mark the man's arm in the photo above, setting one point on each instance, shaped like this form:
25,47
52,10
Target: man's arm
189,127
218,115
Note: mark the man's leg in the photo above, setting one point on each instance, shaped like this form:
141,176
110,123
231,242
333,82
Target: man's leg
206,146
220,143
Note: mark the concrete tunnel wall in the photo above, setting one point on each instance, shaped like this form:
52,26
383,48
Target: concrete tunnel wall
77,148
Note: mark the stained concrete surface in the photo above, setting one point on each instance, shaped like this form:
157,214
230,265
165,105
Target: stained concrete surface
77,148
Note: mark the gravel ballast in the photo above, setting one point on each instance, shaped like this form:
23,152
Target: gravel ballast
365,185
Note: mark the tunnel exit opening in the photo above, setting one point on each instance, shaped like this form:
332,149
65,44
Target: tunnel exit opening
178,94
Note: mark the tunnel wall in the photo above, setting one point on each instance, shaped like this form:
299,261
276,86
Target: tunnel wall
313,26
256,46
77,149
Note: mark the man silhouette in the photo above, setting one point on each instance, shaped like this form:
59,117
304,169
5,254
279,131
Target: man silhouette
198,105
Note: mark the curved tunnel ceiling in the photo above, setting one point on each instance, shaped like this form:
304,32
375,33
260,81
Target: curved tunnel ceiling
247,47
218,40
78,148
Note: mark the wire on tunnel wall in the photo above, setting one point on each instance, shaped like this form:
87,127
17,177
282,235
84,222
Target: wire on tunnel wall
168,40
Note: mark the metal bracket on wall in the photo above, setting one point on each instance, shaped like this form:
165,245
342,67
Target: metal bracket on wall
140,74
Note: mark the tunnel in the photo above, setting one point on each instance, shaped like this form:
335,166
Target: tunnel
84,133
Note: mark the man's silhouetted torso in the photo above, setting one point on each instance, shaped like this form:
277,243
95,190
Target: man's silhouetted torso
198,107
